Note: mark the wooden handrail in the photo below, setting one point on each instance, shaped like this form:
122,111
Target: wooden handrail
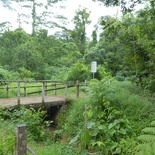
44,88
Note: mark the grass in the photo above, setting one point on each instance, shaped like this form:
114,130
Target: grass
54,148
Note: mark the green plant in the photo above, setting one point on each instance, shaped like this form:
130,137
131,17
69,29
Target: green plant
79,72
7,145
108,128
146,140
55,148
124,96
57,134
71,119
7,138
107,131
25,74
101,73
34,119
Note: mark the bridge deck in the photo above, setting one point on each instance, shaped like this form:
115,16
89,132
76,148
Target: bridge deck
33,100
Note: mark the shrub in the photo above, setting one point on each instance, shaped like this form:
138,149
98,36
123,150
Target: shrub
79,72
25,74
34,119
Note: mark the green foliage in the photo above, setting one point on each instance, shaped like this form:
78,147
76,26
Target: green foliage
7,145
109,129
79,72
101,72
7,138
8,75
56,148
124,96
25,74
56,73
146,141
78,35
125,6
73,117
57,135
34,119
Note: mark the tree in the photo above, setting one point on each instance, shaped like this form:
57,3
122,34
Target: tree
81,20
94,39
38,14
9,42
126,6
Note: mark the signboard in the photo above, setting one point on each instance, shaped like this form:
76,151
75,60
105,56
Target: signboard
93,66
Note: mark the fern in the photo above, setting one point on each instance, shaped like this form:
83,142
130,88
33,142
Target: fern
149,130
147,141
146,138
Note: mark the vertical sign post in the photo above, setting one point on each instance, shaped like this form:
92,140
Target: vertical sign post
93,68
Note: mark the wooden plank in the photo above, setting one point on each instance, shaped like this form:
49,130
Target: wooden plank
35,101
50,89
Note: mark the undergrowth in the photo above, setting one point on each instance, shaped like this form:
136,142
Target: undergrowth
107,121
124,96
116,114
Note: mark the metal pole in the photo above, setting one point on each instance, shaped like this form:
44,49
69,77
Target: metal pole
93,75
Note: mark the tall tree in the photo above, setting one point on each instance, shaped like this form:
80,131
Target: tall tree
36,13
81,20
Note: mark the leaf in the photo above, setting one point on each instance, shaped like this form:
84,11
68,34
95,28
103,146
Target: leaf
90,125
111,125
99,143
85,137
122,131
74,140
146,138
149,130
118,150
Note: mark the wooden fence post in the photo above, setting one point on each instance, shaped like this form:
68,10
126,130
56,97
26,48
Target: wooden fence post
86,121
7,89
55,86
46,88
66,90
43,92
18,95
77,88
24,88
21,139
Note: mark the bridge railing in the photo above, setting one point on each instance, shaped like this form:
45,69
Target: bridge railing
23,88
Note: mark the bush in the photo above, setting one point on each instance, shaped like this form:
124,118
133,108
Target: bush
56,73
34,119
79,72
8,75
25,74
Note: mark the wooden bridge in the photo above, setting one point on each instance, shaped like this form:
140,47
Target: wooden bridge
36,93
